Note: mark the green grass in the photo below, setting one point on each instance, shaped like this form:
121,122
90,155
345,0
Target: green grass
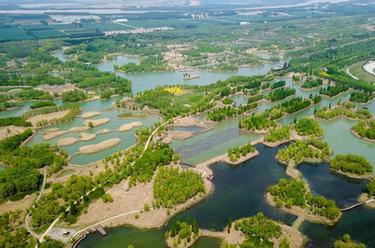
356,70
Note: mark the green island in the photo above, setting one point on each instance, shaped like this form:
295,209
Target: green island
181,233
365,129
289,193
352,164
236,153
346,241
172,187
347,110
314,151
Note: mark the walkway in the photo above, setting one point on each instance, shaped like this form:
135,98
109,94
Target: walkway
27,217
298,222
357,205
101,185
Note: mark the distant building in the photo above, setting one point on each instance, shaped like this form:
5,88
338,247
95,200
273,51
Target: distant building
120,20
244,23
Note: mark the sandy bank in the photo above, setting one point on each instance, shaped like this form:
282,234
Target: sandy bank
103,131
97,122
67,141
99,147
189,121
365,197
130,126
8,131
90,114
22,204
55,132
132,200
47,117
87,136
178,135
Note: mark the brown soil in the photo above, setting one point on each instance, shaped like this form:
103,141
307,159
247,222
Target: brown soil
99,146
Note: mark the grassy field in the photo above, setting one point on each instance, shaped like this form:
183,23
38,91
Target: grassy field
356,70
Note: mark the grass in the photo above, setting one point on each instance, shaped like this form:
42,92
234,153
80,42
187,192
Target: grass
356,70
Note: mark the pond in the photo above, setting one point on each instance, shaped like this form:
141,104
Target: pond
128,138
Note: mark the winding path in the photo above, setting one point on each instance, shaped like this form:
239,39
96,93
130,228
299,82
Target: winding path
27,218
93,189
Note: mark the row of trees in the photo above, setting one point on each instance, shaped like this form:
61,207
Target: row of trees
280,94
16,121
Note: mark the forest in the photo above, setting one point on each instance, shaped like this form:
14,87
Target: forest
173,187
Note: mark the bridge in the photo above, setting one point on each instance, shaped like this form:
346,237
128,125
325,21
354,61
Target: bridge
357,205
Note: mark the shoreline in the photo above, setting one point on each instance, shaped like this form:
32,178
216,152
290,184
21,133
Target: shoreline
355,134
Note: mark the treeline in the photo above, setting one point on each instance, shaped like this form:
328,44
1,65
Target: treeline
350,163
310,83
360,97
280,94
148,64
332,91
295,104
278,84
16,121
42,104
235,153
